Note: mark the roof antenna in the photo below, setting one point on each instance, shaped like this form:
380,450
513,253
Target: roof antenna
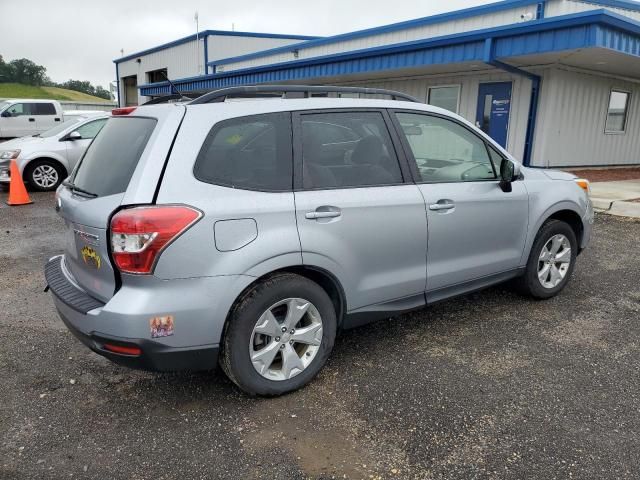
173,87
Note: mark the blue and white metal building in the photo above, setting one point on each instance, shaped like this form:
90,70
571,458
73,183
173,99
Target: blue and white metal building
188,57
557,82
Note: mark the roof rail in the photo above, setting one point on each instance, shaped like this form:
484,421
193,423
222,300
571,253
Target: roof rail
293,91
169,98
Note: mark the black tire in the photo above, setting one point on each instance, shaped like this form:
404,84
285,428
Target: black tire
31,169
529,284
235,359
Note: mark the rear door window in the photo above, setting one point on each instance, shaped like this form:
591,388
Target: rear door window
110,161
43,109
347,149
250,153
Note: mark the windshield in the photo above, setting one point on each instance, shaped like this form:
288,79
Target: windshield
52,132
110,161
3,105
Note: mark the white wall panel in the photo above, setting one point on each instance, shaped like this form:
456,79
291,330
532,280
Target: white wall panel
565,7
571,122
397,36
224,46
180,61
187,60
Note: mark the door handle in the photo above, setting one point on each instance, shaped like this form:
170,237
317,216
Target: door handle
442,205
32,119
56,119
319,215
323,212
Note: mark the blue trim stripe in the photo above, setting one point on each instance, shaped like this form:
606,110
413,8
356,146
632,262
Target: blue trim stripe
491,59
118,83
541,9
419,22
204,33
582,30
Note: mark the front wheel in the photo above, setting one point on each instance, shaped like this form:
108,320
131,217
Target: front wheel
279,336
44,175
551,261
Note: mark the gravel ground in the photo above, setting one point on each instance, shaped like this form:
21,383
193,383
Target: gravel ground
491,385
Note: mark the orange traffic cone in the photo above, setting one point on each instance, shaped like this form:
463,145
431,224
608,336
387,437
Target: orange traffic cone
17,192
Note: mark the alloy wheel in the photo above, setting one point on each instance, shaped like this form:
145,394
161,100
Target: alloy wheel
554,261
286,339
45,176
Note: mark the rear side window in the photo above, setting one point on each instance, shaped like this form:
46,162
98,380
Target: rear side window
43,109
347,149
250,153
110,161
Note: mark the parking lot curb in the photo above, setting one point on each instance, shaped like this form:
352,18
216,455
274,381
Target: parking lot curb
620,208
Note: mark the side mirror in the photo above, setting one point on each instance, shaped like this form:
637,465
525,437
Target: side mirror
509,173
6,114
74,136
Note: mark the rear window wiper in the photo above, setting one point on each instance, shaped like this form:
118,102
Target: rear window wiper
79,190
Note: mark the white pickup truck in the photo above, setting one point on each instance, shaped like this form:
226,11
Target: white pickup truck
19,117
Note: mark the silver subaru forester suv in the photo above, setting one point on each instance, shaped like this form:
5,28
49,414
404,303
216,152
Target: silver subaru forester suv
250,231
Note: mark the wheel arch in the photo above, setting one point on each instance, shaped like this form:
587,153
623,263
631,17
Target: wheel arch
566,211
327,281
573,219
51,158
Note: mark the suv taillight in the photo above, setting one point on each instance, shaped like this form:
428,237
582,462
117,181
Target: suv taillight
139,235
123,111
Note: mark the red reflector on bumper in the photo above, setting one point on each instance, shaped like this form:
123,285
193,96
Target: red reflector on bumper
135,351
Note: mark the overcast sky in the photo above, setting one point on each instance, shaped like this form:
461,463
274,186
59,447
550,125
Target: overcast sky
80,38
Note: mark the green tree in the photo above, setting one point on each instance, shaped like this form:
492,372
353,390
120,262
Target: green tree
4,71
103,93
27,72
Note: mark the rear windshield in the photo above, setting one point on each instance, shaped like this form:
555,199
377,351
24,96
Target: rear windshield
108,165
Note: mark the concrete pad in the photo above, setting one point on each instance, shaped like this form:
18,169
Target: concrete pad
616,191
614,197
625,209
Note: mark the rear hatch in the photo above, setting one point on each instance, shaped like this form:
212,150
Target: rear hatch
122,167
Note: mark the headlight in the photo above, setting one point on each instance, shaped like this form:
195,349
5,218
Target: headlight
9,154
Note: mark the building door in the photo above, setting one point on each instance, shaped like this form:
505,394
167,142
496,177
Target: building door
130,91
494,108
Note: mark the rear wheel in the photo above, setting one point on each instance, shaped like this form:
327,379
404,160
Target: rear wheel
551,261
44,175
279,336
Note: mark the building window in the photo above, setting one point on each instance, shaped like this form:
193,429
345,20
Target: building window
156,76
617,112
447,97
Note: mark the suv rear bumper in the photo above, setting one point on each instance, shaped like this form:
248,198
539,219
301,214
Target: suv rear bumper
93,323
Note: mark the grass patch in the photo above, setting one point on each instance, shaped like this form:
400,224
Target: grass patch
16,90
